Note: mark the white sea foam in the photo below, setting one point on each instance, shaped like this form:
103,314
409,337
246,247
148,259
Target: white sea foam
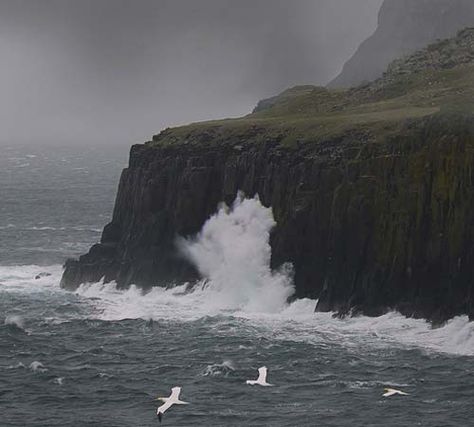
37,367
21,278
16,321
19,365
219,369
44,228
295,322
232,252
59,381
6,227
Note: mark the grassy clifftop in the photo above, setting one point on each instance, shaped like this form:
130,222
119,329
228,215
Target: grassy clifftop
435,80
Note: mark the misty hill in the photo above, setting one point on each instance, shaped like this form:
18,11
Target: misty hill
404,26
437,78
372,190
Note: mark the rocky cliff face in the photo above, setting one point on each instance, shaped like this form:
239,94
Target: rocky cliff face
404,26
367,226
372,192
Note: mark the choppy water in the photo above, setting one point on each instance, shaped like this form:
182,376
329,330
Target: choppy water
98,357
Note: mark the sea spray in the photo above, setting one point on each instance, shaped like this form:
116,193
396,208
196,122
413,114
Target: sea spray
223,369
232,253
297,322
15,322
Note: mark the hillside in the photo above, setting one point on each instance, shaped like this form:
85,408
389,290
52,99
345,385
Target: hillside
436,79
404,26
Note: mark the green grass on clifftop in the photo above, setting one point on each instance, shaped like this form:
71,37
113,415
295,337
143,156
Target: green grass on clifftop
307,114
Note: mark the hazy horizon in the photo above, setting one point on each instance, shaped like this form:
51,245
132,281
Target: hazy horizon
118,71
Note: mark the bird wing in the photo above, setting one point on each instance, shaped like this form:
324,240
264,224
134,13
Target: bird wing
262,375
163,408
391,391
175,391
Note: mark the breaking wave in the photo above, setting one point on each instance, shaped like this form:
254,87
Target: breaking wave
232,253
223,369
15,321
37,367
296,322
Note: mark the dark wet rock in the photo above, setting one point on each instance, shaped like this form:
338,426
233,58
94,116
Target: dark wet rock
391,227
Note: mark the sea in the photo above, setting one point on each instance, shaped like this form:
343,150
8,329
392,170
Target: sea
101,356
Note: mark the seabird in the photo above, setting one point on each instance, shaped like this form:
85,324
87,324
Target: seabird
169,402
392,392
262,378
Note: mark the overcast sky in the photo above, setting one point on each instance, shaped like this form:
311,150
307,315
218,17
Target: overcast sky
118,71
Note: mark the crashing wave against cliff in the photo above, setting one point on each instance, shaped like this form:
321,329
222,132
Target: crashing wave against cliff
371,191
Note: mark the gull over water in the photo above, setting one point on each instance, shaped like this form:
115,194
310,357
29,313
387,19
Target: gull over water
262,378
168,402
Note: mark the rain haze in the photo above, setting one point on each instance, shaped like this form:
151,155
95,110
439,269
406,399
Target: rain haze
307,262
117,71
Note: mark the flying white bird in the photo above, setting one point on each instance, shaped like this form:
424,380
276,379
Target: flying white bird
392,392
262,378
169,402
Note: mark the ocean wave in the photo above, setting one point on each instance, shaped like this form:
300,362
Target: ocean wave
21,278
51,228
19,365
15,322
232,252
8,226
37,367
295,322
59,380
223,369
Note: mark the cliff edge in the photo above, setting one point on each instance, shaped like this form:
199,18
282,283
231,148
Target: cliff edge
371,189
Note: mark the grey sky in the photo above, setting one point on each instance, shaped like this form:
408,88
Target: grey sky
117,71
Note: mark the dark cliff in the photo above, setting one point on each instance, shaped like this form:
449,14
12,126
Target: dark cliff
371,188
404,26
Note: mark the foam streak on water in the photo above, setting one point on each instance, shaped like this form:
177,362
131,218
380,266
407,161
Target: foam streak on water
295,322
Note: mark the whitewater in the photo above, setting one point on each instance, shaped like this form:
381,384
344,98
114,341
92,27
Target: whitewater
99,356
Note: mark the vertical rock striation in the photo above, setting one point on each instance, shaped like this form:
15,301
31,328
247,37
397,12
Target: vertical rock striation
368,226
372,190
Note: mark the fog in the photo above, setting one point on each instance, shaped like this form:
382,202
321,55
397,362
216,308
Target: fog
118,71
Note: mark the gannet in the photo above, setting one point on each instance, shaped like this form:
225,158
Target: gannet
169,402
262,378
392,392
